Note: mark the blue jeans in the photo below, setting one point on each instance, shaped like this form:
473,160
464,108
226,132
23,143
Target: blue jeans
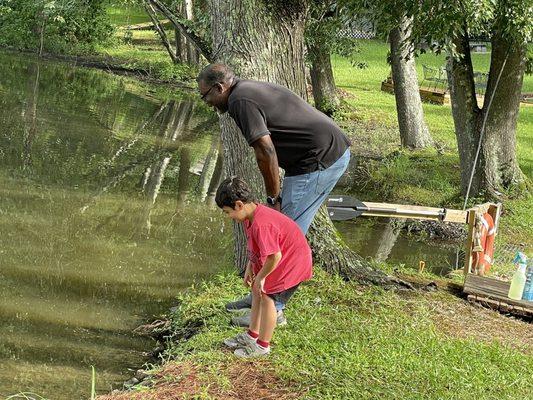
302,195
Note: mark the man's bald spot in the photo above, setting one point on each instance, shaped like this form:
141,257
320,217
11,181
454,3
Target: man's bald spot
215,73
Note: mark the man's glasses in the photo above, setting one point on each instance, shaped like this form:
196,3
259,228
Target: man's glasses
203,96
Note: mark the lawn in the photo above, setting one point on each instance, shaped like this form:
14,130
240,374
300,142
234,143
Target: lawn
345,341
121,15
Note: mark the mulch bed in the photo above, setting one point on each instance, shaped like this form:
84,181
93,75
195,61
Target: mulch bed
248,380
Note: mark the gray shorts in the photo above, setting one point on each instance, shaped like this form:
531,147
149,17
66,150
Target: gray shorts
283,297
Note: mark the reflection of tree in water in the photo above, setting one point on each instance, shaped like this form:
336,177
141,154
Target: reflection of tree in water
215,178
208,169
30,114
175,122
383,240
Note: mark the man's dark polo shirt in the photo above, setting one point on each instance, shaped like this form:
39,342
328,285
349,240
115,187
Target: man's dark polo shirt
305,139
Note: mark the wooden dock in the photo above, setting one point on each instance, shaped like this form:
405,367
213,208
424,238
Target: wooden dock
492,293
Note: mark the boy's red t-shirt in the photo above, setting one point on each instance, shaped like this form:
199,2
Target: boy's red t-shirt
272,232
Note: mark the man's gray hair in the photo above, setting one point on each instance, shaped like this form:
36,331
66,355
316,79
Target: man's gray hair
215,73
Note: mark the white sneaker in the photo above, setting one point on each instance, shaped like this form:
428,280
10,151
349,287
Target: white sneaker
252,350
240,340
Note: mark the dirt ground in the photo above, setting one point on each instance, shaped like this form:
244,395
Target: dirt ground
185,381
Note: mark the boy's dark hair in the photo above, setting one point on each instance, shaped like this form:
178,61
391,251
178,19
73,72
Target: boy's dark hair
231,190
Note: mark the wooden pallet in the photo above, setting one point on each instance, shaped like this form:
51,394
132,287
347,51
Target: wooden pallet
492,293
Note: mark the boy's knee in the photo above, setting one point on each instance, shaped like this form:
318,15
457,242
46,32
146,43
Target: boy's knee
266,300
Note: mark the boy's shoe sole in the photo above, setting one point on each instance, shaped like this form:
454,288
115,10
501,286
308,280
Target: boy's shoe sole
252,351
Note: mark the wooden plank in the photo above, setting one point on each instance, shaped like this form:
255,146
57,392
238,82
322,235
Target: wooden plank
471,219
456,216
500,305
494,289
402,206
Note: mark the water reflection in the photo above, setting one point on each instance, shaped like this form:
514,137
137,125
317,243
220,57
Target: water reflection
103,187
383,240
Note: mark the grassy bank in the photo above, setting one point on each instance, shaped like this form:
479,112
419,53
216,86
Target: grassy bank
345,341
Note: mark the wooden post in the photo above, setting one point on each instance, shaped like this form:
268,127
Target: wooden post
471,220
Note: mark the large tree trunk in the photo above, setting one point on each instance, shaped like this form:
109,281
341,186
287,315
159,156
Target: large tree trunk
413,130
499,144
266,42
324,89
496,168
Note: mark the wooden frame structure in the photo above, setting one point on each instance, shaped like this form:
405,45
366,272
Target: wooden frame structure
487,291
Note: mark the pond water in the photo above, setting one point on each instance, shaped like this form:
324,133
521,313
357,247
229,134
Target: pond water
100,186
103,220
382,239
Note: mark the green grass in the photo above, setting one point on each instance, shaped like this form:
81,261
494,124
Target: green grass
348,342
123,16
144,51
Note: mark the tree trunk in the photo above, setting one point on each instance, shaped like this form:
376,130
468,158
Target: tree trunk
496,168
413,130
499,143
181,42
193,57
324,89
161,31
265,41
465,111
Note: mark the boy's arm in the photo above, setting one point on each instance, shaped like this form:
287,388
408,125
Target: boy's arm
270,265
248,275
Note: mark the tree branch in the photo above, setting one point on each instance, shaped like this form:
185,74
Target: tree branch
157,25
203,47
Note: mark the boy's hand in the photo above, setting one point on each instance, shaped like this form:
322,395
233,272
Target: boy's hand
257,287
248,277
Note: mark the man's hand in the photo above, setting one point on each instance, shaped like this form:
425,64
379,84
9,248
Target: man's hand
257,287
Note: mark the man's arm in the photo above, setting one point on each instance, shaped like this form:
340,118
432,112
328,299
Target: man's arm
267,160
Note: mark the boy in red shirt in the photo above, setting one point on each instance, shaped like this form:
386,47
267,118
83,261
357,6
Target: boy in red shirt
279,260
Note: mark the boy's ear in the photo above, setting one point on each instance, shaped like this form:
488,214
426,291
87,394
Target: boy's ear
238,205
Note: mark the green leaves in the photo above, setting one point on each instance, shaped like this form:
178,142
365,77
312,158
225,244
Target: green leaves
64,23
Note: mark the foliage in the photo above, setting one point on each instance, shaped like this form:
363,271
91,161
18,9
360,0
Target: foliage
60,24
326,19
437,22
